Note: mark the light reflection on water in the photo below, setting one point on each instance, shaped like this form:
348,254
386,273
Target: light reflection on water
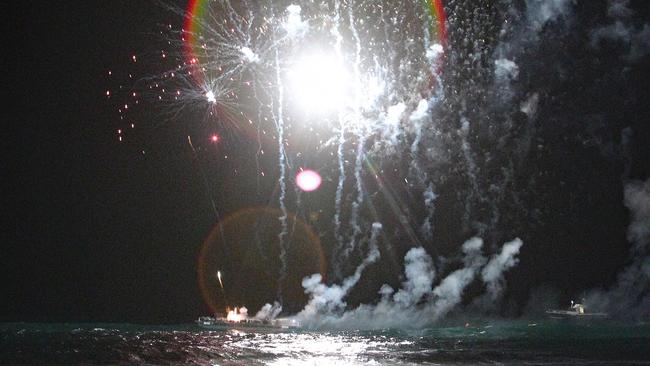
509,343
323,348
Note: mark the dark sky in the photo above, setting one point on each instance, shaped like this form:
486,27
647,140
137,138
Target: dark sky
96,231
93,233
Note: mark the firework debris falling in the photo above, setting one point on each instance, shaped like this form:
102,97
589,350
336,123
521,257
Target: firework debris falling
397,125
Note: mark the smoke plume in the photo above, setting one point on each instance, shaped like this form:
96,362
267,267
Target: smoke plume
636,39
417,303
269,312
630,296
492,273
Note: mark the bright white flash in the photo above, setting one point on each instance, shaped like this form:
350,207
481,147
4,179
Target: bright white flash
319,83
294,25
219,278
249,55
210,96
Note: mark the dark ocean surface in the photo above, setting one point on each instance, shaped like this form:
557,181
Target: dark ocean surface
499,342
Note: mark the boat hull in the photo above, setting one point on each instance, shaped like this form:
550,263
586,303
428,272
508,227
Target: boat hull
568,314
221,323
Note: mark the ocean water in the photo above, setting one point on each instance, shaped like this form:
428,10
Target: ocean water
484,343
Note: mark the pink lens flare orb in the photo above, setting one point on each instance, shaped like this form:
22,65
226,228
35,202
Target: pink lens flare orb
214,138
308,180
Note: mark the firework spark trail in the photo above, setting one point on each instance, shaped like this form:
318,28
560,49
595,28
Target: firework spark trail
237,49
426,35
415,170
356,205
339,196
340,150
426,229
259,139
361,137
282,183
205,182
387,31
417,117
214,205
471,169
259,151
233,46
421,177
226,40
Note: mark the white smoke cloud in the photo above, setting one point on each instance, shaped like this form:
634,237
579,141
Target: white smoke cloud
492,273
529,106
505,69
619,9
622,30
390,126
637,200
640,45
327,300
449,292
419,272
518,36
630,296
429,204
521,35
394,114
269,312
540,12
616,31
417,304
421,111
634,282
434,52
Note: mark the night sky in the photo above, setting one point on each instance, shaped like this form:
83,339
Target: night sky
97,230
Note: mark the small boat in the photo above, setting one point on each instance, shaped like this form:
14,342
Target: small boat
575,311
209,322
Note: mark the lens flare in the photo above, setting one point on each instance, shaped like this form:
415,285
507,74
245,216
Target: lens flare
308,180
